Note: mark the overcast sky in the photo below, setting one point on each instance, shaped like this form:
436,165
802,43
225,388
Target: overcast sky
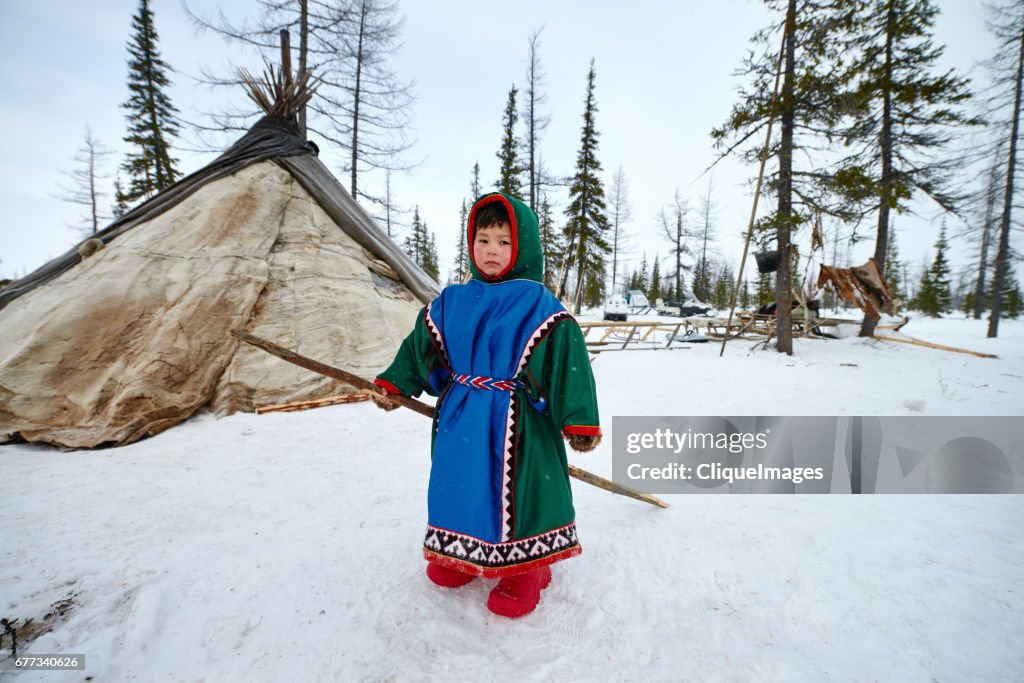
664,79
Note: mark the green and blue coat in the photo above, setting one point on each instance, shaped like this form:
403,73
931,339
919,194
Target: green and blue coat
510,368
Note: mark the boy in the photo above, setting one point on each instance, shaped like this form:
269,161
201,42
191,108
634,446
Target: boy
512,375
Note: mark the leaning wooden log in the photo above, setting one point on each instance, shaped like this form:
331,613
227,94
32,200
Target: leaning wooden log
940,347
421,408
314,403
328,370
607,485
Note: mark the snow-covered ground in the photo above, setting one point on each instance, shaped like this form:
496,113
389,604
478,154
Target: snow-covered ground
853,376
286,546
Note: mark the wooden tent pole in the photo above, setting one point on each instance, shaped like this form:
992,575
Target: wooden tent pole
421,408
757,193
940,347
286,56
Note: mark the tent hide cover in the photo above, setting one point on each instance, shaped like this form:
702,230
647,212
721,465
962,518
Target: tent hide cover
133,339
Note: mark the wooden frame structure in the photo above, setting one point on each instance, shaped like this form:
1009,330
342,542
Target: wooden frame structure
637,336
629,333
749,325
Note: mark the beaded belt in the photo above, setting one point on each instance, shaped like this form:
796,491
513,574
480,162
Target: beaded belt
489,383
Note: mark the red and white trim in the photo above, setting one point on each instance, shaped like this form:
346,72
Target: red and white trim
507,465
488,383
474,556
537,335
435,332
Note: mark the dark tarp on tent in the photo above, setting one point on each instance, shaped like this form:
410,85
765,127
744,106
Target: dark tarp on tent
270,138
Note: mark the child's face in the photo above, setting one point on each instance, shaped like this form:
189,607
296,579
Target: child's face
492,248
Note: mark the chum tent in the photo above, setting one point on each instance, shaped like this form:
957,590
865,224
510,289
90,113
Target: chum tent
120,344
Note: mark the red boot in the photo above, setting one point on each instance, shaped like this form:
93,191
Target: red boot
449,578
515,596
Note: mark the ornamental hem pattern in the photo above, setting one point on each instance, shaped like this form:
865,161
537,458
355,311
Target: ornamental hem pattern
479,557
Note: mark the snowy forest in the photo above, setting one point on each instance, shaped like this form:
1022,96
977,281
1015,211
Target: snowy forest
867,125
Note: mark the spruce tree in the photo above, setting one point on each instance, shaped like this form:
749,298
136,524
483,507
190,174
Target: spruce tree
724,284
765,293
654,292
417,243
744,298
594,291
474,187
809,106
461,247
120,206
924,299
968,304
934,296
642,279
960,289
1011,296
550,242
701,285
151,116
510,178
904,113
893,268
430,264
587,224
667,292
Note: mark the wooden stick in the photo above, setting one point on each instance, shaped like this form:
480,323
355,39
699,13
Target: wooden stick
629,336
314,403
602,483
286,56
328,371
672,337
421,408
757,192
940,347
